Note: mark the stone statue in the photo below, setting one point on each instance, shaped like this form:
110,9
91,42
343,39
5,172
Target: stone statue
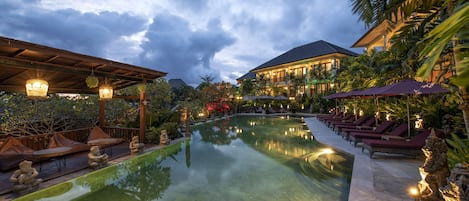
164,137
458,187
135,146
96,159
25,177
435,168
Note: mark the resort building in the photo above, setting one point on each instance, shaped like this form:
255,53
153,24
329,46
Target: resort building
303,70
379,38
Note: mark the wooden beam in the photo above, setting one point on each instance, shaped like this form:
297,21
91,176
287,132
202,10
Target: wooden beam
51,59
142,116
12,43
18,53
26,64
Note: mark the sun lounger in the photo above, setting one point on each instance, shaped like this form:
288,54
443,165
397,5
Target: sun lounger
367,124
12,152
357,137
411,147
359,121
379,129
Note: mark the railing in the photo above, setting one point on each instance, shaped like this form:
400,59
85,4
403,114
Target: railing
38,142
124,133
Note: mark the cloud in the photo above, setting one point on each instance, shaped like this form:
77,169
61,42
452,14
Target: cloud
172,46
187,39
88,33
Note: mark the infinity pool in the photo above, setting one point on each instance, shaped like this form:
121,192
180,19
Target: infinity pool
241,158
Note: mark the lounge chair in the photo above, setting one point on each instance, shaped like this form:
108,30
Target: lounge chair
367,124
12,152
379,129
346,118
357,137
411,147
58,140
358,122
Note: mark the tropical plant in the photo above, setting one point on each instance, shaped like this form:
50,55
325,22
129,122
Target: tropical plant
459,152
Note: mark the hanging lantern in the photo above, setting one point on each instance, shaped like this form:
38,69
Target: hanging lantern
36,88
105,92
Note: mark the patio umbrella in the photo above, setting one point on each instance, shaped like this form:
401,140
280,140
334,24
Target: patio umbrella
409,87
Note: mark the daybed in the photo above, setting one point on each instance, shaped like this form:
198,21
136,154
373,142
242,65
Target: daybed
12,152
100,138
58,140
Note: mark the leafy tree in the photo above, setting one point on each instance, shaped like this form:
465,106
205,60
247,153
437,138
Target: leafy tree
248,87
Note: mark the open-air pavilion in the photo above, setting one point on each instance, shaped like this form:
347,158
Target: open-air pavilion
66,72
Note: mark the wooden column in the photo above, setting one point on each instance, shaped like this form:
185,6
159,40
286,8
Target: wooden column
102,120
142,116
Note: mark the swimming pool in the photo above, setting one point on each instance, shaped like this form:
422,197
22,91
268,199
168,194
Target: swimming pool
240,158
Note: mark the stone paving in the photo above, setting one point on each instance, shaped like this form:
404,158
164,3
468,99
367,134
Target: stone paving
385,177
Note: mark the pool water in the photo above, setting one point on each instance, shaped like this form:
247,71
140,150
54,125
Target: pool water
241,158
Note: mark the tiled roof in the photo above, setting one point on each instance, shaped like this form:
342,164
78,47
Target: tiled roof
311,50
249,75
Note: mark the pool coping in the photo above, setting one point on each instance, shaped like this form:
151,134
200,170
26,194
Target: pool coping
385,177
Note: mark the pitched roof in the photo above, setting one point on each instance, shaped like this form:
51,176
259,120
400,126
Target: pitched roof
310,50
248,75
176,83
65,71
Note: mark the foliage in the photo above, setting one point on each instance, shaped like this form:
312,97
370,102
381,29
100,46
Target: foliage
206,81
23,116
248,87
458,151
152,135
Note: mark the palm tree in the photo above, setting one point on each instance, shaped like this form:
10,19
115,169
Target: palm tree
453,31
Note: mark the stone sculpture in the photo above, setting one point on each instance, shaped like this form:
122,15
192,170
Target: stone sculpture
435,168
458,184
164,140
97,160
135,146
24,179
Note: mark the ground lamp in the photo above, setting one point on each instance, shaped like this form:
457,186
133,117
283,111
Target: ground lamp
105,92
36,88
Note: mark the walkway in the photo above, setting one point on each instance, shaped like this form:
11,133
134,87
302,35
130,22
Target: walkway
385,177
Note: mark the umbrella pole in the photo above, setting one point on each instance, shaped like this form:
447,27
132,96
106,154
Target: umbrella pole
377,110
408,117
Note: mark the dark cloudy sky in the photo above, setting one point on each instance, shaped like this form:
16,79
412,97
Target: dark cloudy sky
185,38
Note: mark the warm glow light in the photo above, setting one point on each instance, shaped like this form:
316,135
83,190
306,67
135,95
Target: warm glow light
105,92
414,192
36,88
388,117
361,113
327,151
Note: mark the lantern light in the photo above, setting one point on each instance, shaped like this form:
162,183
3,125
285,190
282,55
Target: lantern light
105,92
36,88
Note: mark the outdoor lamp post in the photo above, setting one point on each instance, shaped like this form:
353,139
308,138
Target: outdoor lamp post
36,88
